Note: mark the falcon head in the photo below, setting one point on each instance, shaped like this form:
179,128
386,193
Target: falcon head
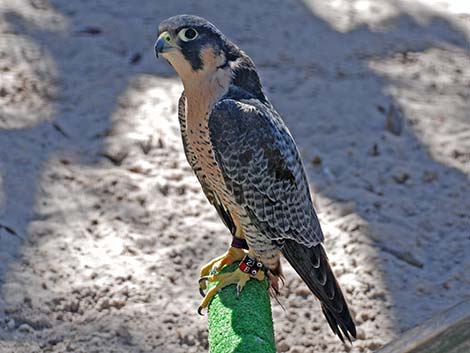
193,45
198,50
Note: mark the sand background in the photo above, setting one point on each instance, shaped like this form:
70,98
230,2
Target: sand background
103,226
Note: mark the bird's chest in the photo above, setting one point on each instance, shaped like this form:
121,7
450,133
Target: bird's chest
201,95
200,144
198,137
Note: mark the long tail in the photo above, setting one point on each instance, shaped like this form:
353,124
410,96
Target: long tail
313,267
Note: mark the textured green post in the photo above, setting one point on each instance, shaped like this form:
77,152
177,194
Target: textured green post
243,324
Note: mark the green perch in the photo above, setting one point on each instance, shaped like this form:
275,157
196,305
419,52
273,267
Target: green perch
243,324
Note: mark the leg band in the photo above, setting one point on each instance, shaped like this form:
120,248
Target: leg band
239,243
251,266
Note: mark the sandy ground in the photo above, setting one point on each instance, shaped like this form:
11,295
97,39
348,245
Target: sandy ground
103,227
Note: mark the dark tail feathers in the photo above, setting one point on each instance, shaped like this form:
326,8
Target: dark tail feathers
313,267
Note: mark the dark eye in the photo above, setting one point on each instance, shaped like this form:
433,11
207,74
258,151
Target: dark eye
187,34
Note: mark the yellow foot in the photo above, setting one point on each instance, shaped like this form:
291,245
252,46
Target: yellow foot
231,256
225,279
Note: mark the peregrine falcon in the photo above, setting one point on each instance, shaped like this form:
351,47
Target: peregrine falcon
248,166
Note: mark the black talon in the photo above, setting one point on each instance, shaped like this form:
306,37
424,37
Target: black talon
199,311
202,279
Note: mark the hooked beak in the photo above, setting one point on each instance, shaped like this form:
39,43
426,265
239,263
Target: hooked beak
163,44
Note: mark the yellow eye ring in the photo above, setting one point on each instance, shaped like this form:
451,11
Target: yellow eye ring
187,34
